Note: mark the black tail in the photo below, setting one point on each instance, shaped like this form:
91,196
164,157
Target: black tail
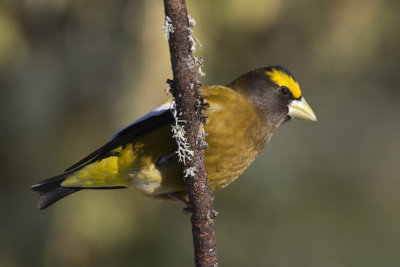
50,190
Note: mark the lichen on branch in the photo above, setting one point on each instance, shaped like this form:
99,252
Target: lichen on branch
188,109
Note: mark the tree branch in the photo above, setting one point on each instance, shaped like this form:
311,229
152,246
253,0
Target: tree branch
190,107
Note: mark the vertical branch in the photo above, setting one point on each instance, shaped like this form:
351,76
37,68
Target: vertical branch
190,107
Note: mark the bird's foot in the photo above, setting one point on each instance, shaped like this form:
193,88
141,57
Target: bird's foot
187,209
179,197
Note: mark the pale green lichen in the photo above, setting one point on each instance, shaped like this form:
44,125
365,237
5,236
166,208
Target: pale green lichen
178,129
168,27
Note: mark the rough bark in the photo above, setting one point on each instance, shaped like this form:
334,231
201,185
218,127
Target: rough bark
190,106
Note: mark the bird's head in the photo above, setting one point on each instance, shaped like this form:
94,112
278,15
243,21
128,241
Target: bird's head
275,94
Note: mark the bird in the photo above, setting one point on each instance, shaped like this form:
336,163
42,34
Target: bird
241,119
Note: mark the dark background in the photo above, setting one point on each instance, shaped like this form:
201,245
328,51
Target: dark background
73,72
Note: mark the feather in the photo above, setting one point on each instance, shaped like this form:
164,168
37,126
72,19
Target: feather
140,127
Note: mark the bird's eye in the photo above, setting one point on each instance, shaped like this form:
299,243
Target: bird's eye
284,90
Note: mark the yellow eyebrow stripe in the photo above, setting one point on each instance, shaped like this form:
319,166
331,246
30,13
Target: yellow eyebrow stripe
283,79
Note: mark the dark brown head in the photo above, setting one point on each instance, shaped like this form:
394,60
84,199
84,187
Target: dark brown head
275,95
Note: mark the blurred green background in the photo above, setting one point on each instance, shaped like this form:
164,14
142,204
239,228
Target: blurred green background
73,72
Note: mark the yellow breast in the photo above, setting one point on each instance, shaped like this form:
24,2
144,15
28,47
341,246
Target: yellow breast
235,136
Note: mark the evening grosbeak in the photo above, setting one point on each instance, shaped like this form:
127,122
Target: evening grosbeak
242,117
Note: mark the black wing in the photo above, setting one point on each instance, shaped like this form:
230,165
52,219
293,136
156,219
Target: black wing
144,125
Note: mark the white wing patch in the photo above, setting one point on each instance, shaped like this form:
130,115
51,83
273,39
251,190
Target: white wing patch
155,112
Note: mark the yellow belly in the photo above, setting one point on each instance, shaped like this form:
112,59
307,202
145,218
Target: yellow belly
234,139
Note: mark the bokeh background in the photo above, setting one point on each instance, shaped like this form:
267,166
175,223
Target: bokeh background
72,72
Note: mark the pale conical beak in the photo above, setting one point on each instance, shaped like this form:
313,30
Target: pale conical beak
299,109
